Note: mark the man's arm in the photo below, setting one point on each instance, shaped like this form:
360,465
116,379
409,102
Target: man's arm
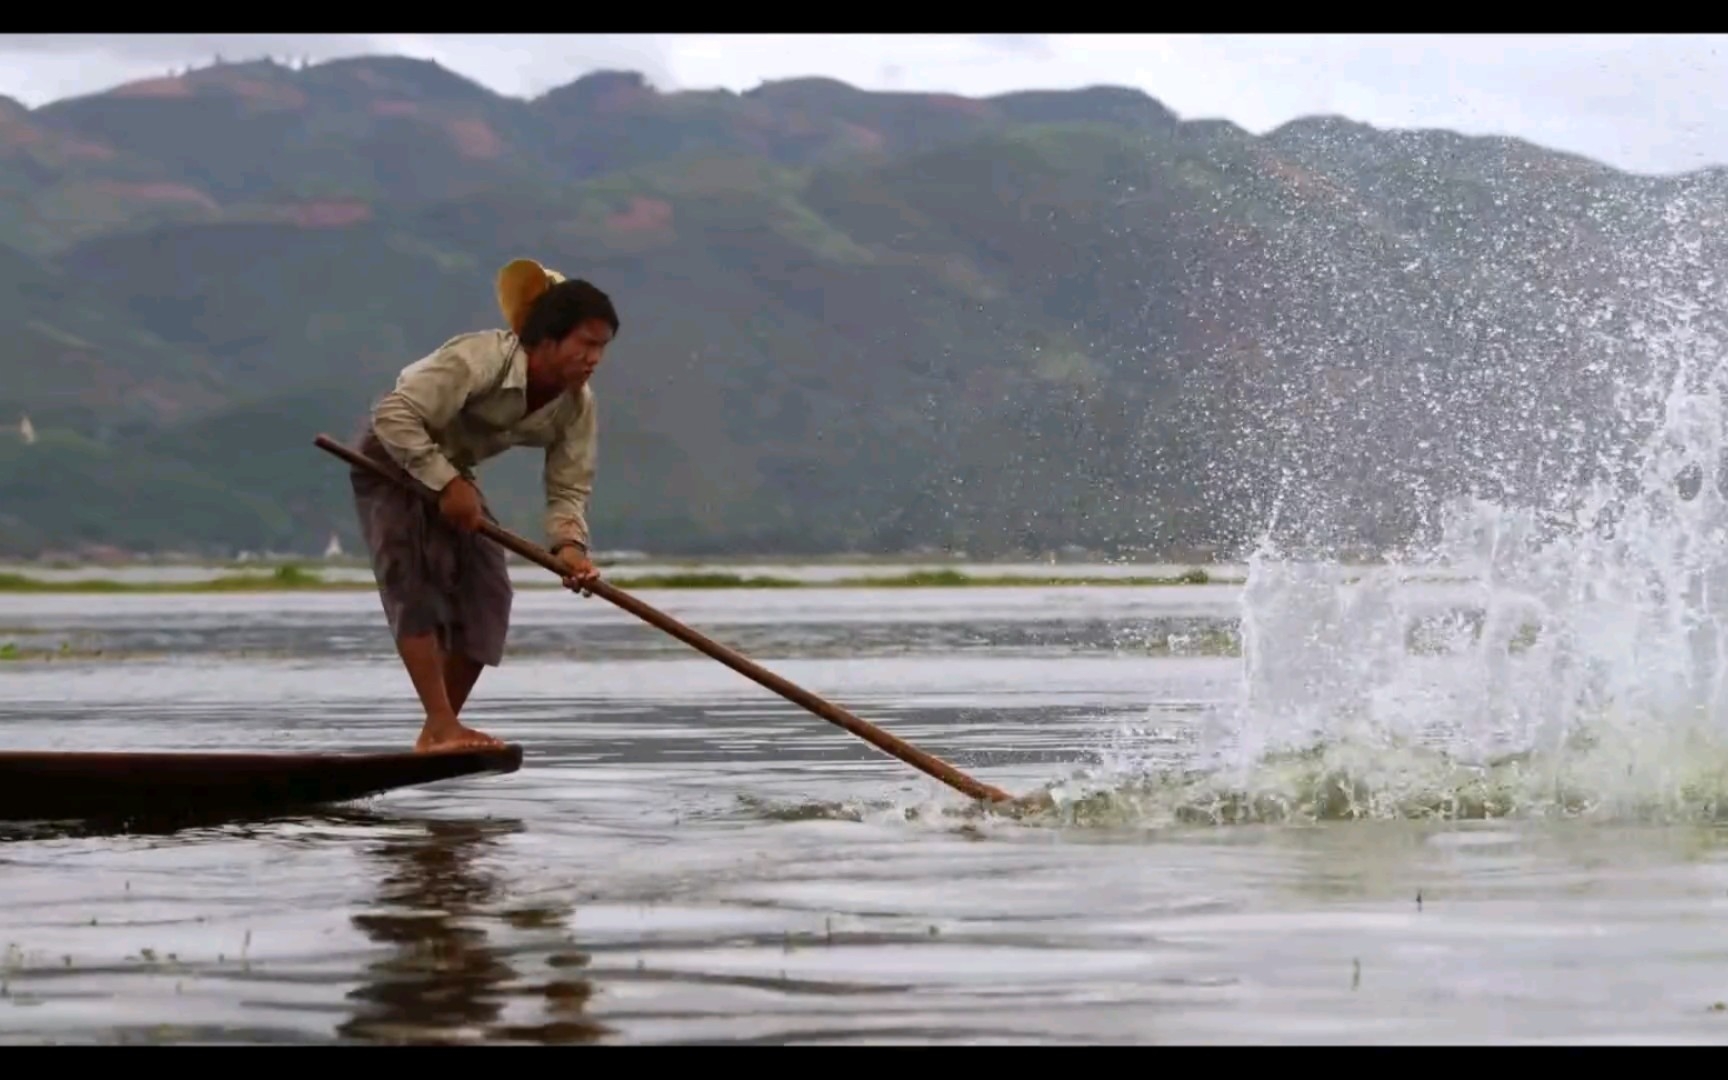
570,464
428,395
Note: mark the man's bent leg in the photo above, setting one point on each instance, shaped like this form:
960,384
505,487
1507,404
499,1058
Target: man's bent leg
414,559
460,674
479,619
443,684
481,622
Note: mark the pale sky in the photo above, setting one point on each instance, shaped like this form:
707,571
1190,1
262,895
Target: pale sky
1641,102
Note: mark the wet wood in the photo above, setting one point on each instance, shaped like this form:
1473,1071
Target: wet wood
44,785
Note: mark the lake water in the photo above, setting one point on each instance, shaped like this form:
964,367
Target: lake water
528,574
686,857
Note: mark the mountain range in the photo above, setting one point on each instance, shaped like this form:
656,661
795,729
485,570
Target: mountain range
851,321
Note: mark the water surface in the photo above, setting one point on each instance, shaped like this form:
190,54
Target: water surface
685,857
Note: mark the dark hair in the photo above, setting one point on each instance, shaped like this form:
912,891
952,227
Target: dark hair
564,307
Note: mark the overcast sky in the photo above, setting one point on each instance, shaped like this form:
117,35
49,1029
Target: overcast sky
1643,102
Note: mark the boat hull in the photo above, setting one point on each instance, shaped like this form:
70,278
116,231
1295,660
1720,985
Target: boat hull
50,785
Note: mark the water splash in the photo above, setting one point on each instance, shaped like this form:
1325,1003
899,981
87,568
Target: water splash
1552,641
1556,645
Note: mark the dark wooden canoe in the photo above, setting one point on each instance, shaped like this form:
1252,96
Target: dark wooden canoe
38,785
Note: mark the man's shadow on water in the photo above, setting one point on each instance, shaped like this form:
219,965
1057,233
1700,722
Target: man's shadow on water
445,981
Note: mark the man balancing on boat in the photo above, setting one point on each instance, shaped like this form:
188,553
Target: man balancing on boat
446,591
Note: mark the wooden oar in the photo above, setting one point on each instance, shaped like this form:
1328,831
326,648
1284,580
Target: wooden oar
870,733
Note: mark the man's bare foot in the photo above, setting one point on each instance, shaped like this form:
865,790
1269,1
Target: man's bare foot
453,736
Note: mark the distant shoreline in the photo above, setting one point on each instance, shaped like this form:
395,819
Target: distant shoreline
609,562
294,579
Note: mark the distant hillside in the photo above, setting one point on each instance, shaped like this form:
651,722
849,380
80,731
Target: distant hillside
852,320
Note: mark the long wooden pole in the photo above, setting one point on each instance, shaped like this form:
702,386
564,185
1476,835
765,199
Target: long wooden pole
870,733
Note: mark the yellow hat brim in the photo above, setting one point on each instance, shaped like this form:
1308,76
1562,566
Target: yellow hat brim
520,283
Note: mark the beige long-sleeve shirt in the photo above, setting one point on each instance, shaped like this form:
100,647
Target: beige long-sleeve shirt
466,402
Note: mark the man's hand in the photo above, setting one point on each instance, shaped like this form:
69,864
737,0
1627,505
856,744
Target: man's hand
459,502
579,572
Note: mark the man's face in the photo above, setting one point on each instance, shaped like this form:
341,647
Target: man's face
576,357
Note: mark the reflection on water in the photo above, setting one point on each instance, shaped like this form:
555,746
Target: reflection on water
685,857
445,980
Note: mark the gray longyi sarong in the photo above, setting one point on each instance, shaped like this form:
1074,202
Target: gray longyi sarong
432,577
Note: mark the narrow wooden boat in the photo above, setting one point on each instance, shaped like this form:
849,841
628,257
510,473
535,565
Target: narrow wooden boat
40,785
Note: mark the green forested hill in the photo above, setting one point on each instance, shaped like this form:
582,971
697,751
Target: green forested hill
851,320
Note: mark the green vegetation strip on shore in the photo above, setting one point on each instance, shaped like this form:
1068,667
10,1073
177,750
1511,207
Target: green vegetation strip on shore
293,578
284,578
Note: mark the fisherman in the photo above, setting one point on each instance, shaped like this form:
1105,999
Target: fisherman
445,589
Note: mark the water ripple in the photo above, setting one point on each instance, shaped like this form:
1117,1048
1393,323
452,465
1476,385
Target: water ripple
686,858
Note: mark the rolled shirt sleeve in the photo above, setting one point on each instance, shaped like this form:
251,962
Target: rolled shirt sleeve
569,476
428,395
